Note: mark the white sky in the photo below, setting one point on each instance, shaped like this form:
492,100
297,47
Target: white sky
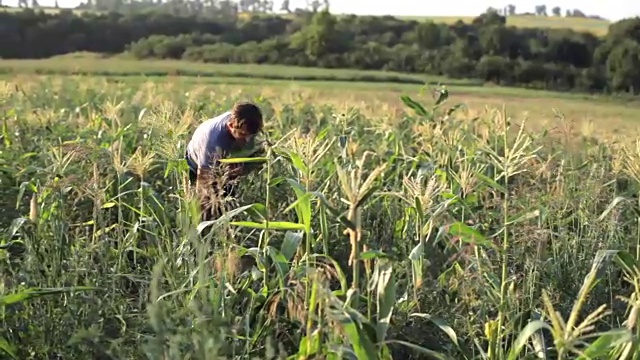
611,9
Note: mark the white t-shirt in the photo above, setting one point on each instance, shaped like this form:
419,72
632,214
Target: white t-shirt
211,141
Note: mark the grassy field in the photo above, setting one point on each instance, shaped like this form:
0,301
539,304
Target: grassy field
375,91
577,115
95,64
379,228
595,26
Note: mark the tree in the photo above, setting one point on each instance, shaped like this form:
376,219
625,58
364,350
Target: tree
318,37
429,35
285,6
578,13
495,40
226,9
494,68
316,5
255,6
625,29
541,10
556,11
623,67
491,17
511,9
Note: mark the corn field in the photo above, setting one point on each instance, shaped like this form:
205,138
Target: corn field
425,235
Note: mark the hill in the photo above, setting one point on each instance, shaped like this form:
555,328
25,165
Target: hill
596,26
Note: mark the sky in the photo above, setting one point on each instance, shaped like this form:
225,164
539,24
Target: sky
611,9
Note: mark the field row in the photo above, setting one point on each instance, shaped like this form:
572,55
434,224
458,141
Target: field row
372,91
95,64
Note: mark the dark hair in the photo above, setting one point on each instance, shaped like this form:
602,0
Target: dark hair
246,117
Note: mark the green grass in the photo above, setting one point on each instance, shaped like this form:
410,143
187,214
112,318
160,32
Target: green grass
93,64
458,222
518,98
343,79
595,26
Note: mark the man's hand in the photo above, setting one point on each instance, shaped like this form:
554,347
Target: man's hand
242,169
258,153
236,170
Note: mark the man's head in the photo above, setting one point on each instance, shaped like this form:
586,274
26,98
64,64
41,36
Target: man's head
246,121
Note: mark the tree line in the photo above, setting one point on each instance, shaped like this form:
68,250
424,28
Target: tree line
253,6
487,49
541,10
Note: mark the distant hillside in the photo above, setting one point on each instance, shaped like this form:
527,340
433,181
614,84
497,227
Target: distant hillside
595,26
551,56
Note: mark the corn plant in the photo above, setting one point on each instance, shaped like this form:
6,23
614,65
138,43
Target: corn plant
428,231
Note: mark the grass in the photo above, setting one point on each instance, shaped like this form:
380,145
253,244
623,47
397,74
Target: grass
121,66
95,64
465,230
595,26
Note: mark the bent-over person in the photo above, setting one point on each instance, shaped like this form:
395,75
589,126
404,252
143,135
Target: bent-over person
222,137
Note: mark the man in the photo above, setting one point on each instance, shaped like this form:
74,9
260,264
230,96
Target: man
221,137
